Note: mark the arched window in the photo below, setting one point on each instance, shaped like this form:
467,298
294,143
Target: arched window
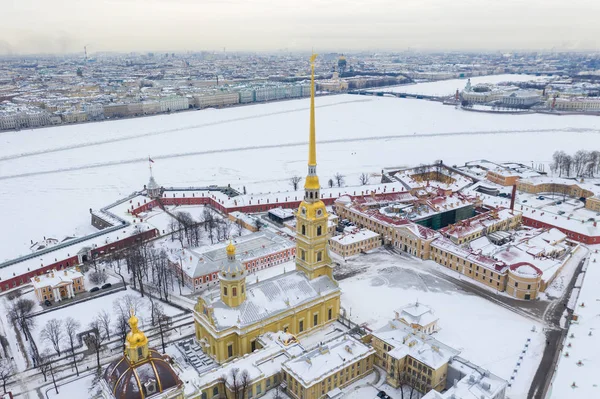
303,230
318,230
319,256
234,291
302,254
225,291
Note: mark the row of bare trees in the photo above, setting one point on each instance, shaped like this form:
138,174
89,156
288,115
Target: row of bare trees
337,180
581,164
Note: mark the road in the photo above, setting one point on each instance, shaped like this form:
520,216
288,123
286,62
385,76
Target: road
554,339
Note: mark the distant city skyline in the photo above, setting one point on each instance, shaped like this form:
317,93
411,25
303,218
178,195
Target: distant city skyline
35,26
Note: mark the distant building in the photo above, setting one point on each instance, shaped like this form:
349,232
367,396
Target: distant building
354,242
575,104
56,285
244,220
257,251
521,98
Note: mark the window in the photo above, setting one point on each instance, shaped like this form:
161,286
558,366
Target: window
303,230
302,254
253,345
234,291
301,326
242,288
215,391
319,256
258,389
318,230
140,352
315,319
516,284
330,313
229,350
528,286
224,291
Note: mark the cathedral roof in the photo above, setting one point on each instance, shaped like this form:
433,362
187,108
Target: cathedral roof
152,184
268,298
140,380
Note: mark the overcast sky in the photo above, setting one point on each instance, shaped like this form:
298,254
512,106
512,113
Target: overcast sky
34,26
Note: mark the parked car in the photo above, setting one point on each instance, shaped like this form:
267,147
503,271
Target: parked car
540,197
107,285
47,302
561,212
559,202
95,289
383,395
524,201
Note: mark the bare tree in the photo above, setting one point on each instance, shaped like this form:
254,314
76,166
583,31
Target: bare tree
234,381
294,180
42,362
239,227
95,339
245,381
72,327
364,179
6,372
53,333
339,179
98,276
104,322
162,322
19,313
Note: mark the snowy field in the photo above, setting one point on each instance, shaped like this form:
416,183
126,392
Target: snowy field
448,87
58,173
487,334
87,311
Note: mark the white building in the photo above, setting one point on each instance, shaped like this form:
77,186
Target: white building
521,98
174,103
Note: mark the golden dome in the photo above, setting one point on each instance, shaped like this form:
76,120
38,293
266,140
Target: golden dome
230,249
135,337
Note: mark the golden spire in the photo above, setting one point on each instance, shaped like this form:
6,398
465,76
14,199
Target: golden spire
312,146
312,180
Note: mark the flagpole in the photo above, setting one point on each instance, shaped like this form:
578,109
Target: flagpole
150,165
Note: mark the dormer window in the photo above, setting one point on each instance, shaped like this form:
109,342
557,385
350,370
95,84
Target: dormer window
150,387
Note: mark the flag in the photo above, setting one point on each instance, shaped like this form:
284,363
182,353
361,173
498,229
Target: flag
150,160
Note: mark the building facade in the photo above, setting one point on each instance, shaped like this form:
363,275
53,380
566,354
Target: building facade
54,286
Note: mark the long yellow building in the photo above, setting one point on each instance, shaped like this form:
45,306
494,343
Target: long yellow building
229,320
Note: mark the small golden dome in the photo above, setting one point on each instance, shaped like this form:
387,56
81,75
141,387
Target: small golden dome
135,337
230,249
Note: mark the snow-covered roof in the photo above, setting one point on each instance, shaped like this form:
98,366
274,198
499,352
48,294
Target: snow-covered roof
416,313
326,359
252,246
419,346
55,278
267,298
355,236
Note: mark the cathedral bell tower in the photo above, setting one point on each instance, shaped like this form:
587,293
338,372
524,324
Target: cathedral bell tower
232,276
312,253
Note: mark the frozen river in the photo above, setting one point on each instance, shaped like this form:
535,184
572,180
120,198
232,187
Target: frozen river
49,178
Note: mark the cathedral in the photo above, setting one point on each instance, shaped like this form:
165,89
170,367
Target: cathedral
230,318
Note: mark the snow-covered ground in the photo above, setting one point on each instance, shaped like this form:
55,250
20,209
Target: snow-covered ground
85,312
579,361
448,87
487,334
259,146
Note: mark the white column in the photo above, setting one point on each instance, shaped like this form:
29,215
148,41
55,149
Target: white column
56,294
70,291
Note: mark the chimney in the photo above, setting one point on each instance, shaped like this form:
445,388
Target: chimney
513,197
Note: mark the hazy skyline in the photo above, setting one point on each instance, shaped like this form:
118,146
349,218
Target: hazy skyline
41,26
